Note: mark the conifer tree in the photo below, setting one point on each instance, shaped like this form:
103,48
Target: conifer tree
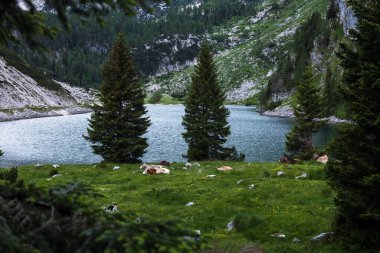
354,170
118,122
332,11
205,119
308,107
329,93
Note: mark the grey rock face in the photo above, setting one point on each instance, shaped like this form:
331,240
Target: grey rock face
347,16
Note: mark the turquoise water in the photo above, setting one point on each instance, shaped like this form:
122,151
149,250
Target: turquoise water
59,139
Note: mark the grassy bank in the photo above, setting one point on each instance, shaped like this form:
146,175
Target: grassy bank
298,208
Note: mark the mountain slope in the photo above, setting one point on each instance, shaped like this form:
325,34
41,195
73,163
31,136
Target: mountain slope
251,52
165,41
31,88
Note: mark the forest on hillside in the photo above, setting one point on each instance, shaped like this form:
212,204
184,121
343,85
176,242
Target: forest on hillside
75,56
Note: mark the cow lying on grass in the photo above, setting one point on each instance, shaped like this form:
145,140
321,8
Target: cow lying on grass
152,169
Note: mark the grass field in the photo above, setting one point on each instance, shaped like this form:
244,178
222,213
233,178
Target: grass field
298,208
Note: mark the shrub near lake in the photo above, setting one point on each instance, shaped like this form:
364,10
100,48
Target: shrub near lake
260,204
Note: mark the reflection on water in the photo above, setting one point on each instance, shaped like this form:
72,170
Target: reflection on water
59,139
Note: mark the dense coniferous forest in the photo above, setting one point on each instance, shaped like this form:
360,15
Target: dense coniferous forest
75,56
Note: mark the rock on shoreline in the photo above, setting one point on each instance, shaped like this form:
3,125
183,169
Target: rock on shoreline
18,114
287,112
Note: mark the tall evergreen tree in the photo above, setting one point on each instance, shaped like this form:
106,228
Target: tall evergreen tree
118,122
205,119
354,171
308,107
332,11
329,93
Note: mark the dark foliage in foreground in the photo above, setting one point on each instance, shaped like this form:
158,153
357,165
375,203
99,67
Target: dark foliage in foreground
63,220
355,170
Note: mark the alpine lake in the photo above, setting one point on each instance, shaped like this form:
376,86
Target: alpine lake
59,140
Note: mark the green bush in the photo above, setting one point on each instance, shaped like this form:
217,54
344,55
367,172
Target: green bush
155,98
244,222
10,175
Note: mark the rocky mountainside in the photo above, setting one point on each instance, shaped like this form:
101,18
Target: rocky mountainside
255,45
249,50
19,90
161,43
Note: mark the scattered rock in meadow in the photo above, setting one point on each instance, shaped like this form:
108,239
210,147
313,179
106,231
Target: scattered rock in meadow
225,168
111,208
197,231
323,236
116,168
230,226
200,171
196,165
38,165
323,159
295,239
55,166
211,176
251,249
304,175
188,165
56,175
184,168
280,173
252,186
279,235
240,181
190,204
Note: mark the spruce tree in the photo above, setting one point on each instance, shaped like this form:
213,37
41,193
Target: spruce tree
307,109
354,170
329,93
205,118
332,11
118,121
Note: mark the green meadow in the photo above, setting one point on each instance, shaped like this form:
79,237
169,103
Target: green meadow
298,208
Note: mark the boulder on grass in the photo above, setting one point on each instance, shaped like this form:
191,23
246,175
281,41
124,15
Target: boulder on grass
324,236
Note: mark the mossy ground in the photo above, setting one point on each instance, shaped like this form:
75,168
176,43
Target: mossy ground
299,208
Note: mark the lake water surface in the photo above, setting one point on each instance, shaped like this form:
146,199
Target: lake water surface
59,139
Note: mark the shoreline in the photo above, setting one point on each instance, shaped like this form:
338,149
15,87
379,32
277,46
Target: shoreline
25,113
286,112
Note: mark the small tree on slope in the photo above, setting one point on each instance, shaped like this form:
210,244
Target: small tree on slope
308,107
205,119
354,171
118,122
